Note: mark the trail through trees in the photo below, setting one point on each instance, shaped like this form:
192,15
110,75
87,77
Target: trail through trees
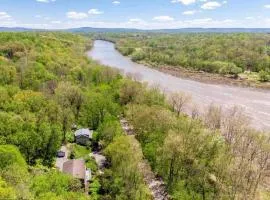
156,185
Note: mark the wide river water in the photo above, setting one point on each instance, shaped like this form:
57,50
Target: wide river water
256,103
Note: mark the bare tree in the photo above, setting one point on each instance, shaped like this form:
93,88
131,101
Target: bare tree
178,101
250,155
195,111
213,117
234,124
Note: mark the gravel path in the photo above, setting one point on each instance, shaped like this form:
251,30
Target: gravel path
100,160
156,185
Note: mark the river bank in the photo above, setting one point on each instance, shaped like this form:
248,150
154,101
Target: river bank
209,78
255,102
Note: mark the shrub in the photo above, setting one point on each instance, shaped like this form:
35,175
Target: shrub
138,55
264,76
212,67
6,192
10,155
229,68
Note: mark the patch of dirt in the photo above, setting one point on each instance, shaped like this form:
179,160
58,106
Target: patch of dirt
209,78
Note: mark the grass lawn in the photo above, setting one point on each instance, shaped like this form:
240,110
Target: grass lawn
79,151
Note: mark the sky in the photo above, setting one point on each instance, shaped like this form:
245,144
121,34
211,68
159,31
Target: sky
142,14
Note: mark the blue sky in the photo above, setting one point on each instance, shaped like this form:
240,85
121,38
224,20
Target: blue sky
145,14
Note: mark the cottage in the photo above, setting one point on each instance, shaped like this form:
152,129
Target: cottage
83,136
77,169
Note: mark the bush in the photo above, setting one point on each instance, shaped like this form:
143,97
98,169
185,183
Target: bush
7,74
229,68
6,192
264,76
211,67
137,55
58,183
10,155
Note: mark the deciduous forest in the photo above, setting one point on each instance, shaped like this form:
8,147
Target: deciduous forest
47,84
228,54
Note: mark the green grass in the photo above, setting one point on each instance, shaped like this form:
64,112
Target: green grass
80,151
91,164
251,76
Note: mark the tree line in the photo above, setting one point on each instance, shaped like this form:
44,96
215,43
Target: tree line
227,54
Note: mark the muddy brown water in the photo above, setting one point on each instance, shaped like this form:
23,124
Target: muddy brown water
255,102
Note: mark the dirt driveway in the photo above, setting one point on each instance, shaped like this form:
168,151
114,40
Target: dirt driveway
60,161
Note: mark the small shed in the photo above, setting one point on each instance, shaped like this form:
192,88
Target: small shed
83,136
88,175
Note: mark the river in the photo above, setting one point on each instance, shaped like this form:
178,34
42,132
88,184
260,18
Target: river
255,102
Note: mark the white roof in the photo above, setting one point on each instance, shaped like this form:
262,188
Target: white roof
88,174
84,132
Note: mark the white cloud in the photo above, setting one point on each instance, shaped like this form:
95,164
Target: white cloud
185,2
199,22
76,15
116,2
135,20
189,12
56,22
250,18
135,23
4,16
141,24
267,6
211,5
45,1
163,18
95,12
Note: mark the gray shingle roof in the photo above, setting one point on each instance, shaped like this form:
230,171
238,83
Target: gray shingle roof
84,132
76,168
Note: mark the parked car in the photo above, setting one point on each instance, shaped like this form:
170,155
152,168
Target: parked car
61,154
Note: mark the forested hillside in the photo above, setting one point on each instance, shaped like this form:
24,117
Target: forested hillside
227,54
47,85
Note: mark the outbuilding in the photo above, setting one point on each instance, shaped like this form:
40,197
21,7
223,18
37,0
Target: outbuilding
77,169
83,136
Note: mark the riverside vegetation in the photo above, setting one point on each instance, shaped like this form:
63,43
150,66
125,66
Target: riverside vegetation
229,54
47,84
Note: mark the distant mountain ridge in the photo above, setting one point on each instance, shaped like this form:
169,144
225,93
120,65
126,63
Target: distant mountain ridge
130,30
